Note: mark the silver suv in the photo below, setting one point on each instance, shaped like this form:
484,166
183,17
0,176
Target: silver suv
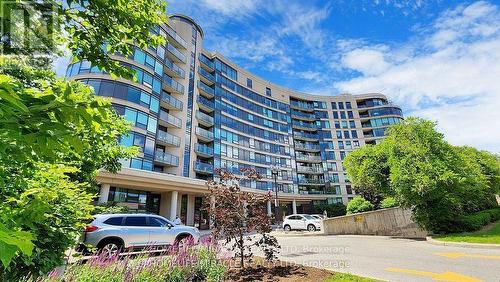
112,233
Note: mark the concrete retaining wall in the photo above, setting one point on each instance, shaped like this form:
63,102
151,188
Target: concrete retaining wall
385,222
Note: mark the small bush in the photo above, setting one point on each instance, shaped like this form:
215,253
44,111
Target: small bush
359,204
388,203
332,210
494,213
475,221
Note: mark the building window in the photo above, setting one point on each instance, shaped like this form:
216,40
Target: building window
348,105
341,105
268,91
249,83
334,105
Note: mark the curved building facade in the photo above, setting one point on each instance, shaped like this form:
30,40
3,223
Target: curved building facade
193,111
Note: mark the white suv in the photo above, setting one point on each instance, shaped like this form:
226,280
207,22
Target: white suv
301,222
111,233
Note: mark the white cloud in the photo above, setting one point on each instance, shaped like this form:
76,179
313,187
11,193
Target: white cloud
456,59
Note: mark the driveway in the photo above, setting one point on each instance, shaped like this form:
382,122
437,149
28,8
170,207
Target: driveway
392,259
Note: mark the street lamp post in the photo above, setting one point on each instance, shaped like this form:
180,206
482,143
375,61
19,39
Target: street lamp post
274,171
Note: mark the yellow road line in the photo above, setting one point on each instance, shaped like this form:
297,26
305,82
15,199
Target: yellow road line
445,276
460,255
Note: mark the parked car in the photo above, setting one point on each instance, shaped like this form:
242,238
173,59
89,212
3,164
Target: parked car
112,233
301,222
318,216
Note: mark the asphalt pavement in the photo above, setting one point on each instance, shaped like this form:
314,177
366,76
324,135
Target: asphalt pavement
392,259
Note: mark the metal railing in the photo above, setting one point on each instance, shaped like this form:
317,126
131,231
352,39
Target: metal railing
170,119
176,103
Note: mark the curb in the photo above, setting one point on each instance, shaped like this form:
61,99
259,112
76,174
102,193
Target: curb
432,241
290,234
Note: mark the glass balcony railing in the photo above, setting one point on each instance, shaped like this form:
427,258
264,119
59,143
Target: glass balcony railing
203,167
304,124
206,88
169,138
206,74
170,119
300,114
309,169
306,135
204,149
173,102
177,54
307,158
174,85
311,181
313,147
208,120
166,158
177,37
204,133
207,62
175,68
303,105
204,101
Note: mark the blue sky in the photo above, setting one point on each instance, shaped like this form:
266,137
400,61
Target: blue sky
438,59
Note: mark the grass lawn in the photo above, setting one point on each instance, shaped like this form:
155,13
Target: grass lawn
345,277
489,235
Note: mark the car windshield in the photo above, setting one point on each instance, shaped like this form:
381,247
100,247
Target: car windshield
309,217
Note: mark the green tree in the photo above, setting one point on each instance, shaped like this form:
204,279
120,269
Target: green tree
54,134
368,171
332,210
359,204
388,203
439,182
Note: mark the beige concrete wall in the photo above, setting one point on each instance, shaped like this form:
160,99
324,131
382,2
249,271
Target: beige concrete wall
386,222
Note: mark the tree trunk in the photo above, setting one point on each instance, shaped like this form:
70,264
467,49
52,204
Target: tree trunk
242,250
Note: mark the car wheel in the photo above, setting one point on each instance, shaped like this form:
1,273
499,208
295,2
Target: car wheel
182,241
311,228
110,248
287,228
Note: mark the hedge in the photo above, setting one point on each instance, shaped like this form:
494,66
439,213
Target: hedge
477,220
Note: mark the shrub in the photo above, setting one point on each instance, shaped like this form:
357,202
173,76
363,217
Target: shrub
332,210
201,262
110,208
359,204
388,202
494,213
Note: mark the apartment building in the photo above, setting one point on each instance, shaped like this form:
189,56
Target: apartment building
194,111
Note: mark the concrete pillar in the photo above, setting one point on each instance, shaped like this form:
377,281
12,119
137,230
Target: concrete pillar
173,205
294,206
104,193
190,211
165,205
269,210
179,205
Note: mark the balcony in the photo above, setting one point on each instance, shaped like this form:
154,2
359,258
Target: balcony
169,120
205,104
203,150
309,107
166,158
204,119
307,147
204,168
175,38
305,181
204,135
303,116
174,54
206,63
304,125
206,90
174,70
307,158
170,102
306,136
310,169
206,77
172,86
168,139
